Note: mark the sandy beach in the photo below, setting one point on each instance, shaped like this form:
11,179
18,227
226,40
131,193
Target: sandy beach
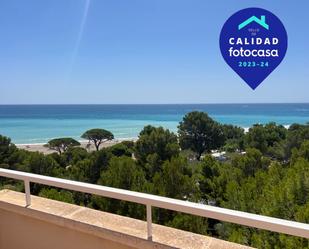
84,144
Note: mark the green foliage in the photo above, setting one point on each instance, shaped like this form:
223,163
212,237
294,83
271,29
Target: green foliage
275,191
189,223
101,160
73,154
234,138
89,168
129,144
62,144
301,152
209,170
175,180
6,149
98,136
232,132
122,173
297,134
265,137
62,195
154,146
251,162
265,173
81,171
274,133
38,163
256,138
200,133
121,149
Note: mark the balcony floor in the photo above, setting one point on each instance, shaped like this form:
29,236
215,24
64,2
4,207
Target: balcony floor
128,232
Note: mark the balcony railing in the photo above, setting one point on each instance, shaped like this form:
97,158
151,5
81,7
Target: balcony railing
223,214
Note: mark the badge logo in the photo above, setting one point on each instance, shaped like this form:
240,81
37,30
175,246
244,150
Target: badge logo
253,43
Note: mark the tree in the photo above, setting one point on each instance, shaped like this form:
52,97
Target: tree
6,149
62,195
154,146
195,224
263,137
101,160
175,180
62,144
302,152
251,162
296,135
232,132
209,170
274,133
234,138
256,138
200,133
122,173
98,136
41,164
73,155
81,171
120,149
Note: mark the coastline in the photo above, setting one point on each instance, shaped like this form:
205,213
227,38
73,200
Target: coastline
39,147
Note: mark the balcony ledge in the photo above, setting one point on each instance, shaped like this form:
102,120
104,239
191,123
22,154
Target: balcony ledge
101,228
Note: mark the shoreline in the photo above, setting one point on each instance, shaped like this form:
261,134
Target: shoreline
39,147
118,140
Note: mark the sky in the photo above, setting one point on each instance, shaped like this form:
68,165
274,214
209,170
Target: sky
137,51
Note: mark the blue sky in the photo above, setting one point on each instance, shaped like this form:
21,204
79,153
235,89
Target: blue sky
137,51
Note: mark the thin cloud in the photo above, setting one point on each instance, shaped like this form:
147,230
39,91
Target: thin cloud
79,38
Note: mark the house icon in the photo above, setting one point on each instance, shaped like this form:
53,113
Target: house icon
254,19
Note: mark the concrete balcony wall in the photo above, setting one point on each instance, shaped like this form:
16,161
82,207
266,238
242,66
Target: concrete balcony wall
49,224
20,231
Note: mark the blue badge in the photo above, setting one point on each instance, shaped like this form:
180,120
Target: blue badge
253,43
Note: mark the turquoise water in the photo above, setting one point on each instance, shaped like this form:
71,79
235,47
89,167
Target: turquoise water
27,124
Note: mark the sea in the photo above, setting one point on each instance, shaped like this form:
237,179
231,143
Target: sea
35,124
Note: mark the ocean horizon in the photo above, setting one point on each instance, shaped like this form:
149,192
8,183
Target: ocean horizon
33,124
